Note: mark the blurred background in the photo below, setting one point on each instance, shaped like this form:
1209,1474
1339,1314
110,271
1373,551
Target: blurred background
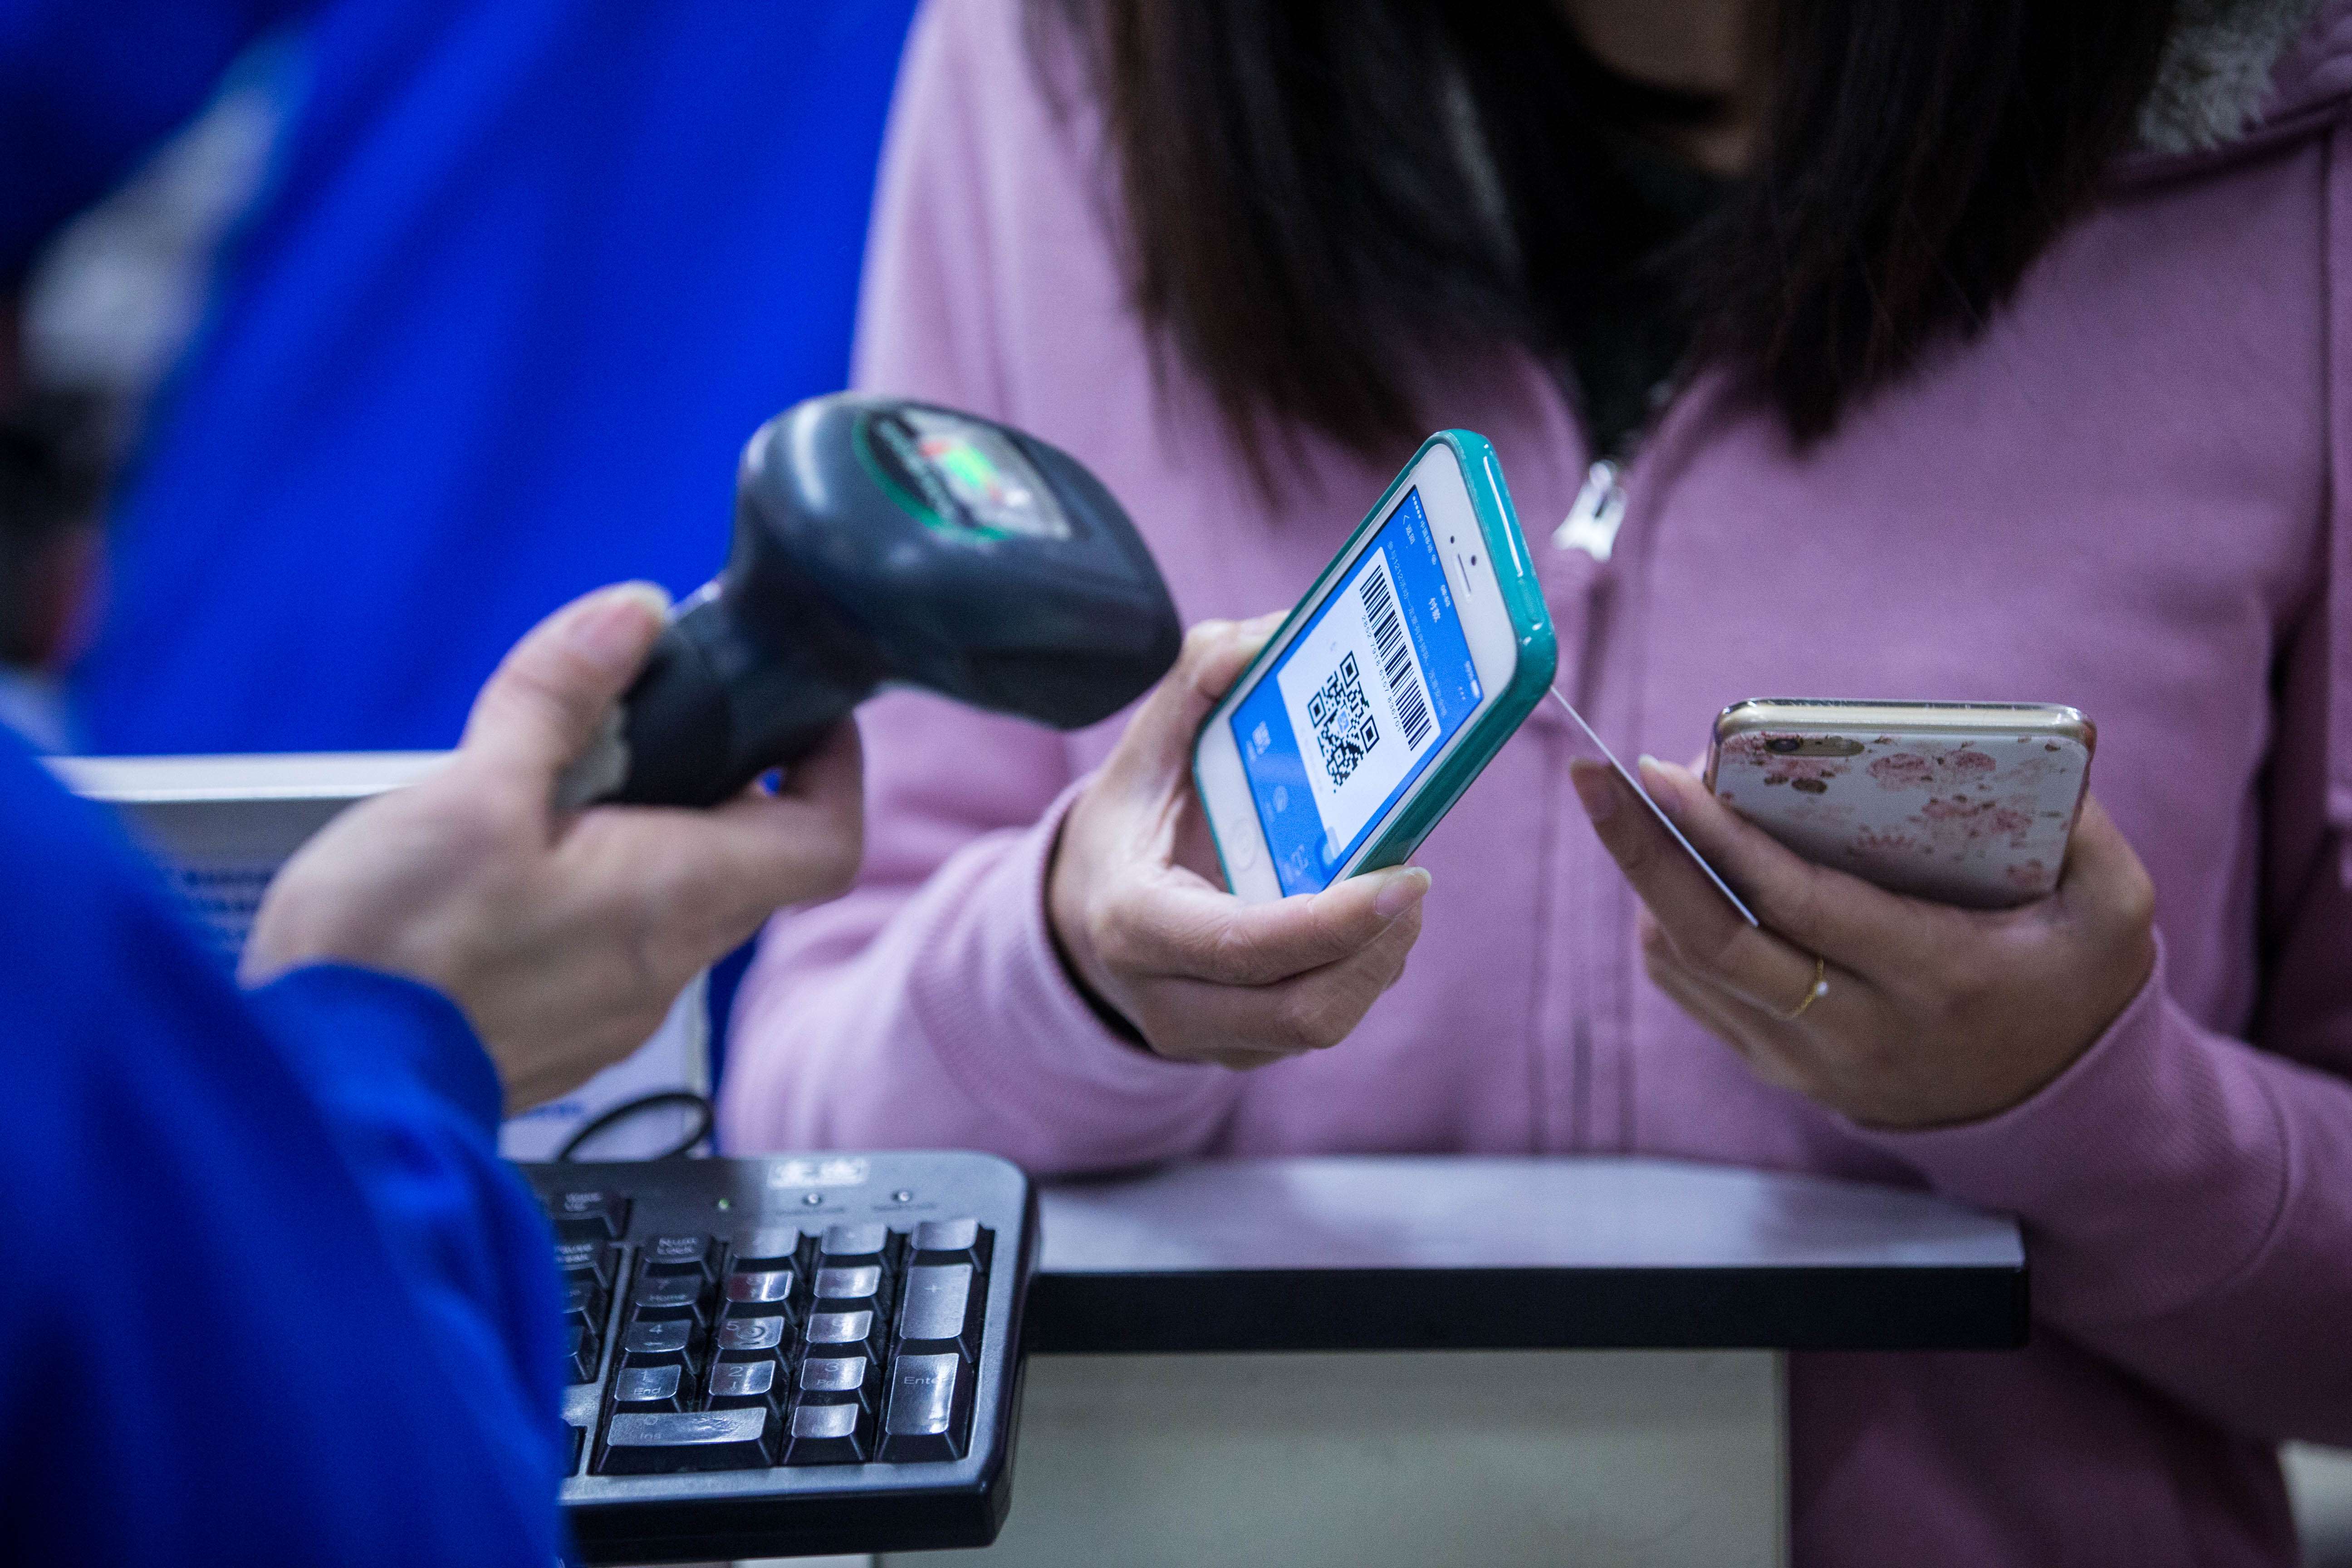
390,324
344,340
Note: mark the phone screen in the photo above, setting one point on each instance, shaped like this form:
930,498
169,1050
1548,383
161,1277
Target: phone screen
963,475
1354,709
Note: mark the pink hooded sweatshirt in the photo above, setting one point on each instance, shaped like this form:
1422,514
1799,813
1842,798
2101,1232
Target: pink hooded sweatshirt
2131,492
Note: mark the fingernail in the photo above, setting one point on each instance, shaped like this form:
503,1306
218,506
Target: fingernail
1399,891
1660,779
1594,788
610,632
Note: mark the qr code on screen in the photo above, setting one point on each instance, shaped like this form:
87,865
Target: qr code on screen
1342,722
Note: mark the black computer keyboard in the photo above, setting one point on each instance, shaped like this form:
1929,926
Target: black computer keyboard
791,1355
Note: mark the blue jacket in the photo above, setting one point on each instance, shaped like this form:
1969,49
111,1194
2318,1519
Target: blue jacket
267,1293
524,276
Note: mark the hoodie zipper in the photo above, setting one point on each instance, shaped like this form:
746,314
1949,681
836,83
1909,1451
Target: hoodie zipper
1599,510
1593,522
1592,525
1597,514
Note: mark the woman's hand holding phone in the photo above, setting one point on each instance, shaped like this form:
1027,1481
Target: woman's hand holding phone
1930,1014
1135,908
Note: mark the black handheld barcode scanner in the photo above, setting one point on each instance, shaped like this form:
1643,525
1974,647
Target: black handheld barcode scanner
880,542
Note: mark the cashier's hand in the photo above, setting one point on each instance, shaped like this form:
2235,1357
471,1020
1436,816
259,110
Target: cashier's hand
563,935
1931,1013
1142,922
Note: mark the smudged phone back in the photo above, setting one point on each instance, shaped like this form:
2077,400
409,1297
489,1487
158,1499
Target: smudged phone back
1965,803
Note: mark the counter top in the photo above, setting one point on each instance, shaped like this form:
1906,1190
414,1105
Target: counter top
1457,1253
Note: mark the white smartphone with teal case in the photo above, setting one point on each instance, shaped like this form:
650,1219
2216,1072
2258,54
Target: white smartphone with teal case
1414,656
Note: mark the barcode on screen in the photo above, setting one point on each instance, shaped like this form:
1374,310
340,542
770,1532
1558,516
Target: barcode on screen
1387,629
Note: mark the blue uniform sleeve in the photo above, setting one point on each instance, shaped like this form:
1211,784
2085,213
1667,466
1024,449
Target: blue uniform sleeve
88,86
267,1294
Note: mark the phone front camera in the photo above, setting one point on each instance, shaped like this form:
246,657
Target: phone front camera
1784,744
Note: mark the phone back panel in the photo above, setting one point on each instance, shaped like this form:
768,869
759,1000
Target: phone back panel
1979,821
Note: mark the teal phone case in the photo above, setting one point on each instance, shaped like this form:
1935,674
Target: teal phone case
1531,676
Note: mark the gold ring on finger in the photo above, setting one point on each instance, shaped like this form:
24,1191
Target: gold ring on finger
1813,993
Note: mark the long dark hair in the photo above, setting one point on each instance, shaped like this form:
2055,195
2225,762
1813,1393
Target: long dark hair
1299,228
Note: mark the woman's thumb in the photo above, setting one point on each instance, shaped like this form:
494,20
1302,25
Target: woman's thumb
1158,745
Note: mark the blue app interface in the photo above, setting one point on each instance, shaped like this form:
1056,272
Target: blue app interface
1350,714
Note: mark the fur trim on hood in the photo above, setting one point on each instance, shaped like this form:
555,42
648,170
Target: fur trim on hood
2217,71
